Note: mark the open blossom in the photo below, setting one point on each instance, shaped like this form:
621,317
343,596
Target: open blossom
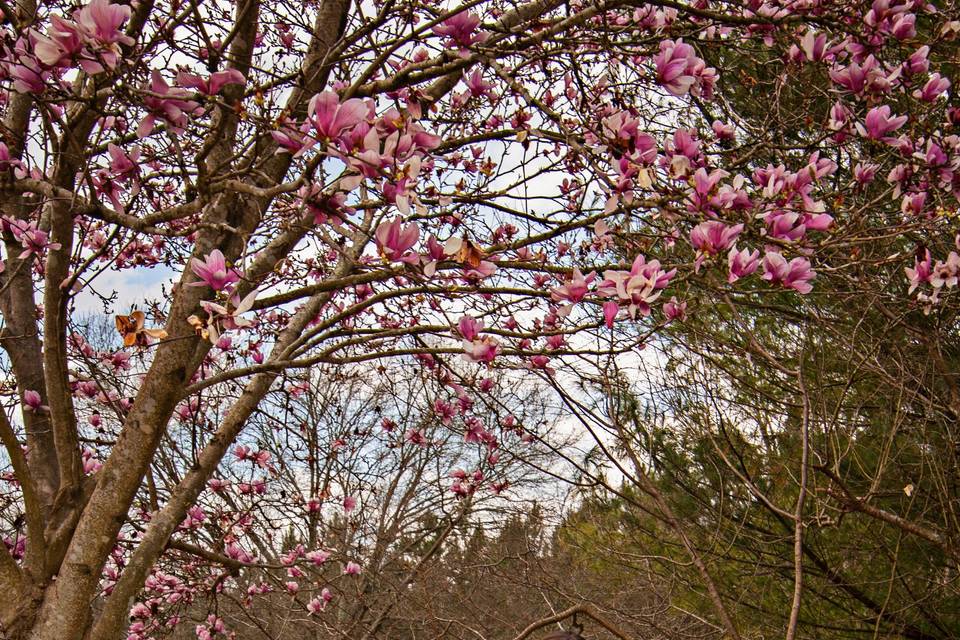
212,85
415,437
316,605
317,557
461,29
225,318
330,118
814,46
795,274
945,273
213,272
236,552
675,310
638,287
102,19
864,173
351,569
880,122
35,241
477,85
62,42
469,327
394,239
921,271
713,237
935,87
626,136
680,71
167,104
741,263
484,349
671,63
574,289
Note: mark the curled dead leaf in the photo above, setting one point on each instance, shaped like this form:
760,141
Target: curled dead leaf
134,333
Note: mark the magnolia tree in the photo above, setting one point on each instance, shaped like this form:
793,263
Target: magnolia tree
458,188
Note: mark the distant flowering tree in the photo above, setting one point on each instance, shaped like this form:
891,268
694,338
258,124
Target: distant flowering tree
514,186
297,523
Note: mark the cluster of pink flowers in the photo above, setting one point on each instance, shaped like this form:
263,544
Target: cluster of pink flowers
938,275
90,41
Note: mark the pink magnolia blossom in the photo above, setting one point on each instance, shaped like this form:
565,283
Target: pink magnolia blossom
213,272
35,241
904,27
680,71
484,349
638,287
33,402
713,236
741,263
542,362
477,85
91,40
394,239
722,130
469,328
921,272
935,87
461,29
212,85
945,273
795,274
317,557
63,41
814,46
90,463
913,203
330,118
879,122
167,104
575,289
675,310
673,64
610,311
102,20
918,63
865,173
28,77
6,160
351,569
415,437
